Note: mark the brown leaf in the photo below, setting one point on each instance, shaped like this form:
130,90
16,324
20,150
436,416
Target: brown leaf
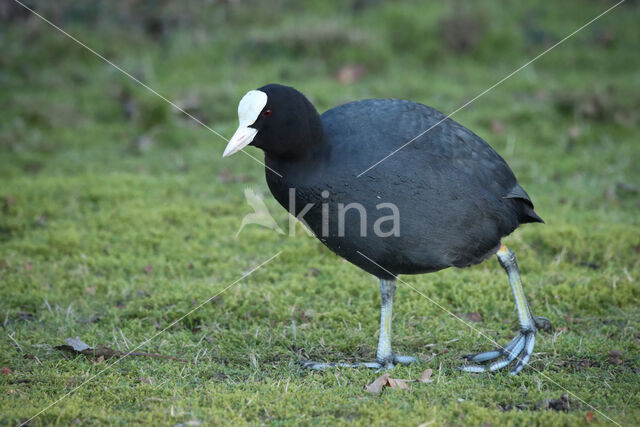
497,126
7,202
6,370
426,376
146,380
148,269
589,417
398,384
76,346
474,317
575,132
72,382
614,357
386,381
225,176
28,266
378,384
90,290
350,73
462,31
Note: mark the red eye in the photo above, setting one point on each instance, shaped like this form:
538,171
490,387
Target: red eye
266,113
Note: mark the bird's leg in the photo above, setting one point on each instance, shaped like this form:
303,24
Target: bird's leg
385,356
385,359
521,346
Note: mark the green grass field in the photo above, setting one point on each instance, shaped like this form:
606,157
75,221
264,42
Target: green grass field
118,215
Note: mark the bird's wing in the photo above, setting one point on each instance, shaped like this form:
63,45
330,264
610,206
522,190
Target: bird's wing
370,130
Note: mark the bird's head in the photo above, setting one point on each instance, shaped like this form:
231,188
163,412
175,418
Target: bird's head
277,119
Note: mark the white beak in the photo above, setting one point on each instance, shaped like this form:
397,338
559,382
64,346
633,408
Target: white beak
243,137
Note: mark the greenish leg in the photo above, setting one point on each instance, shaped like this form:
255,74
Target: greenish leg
385,359
521,347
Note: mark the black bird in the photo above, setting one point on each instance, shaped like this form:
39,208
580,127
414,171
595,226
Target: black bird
444,200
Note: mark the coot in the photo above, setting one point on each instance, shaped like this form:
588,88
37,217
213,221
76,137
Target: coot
445,200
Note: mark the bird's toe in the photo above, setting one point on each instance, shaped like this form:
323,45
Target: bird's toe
520,348
404,360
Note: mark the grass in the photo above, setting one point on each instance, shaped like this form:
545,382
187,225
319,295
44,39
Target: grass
118,215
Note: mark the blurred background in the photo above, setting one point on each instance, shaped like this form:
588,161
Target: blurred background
117,212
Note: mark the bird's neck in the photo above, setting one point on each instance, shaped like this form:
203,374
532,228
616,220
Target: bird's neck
305,141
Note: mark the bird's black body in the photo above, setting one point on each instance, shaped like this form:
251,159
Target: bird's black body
395,188
455,196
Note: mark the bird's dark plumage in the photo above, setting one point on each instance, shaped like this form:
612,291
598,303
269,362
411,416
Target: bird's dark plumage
442,198
456,197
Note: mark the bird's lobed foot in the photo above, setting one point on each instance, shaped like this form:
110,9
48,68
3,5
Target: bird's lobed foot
520,349
388,363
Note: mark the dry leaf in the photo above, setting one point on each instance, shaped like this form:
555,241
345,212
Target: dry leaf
6,370
76,346
90,290
378,384
7,202
497,126
474,317
225,176
575,132
398,384
614,357
148,269
386,381
426,376
350,73
589,417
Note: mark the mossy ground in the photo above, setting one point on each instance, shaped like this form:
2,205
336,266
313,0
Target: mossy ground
118,215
